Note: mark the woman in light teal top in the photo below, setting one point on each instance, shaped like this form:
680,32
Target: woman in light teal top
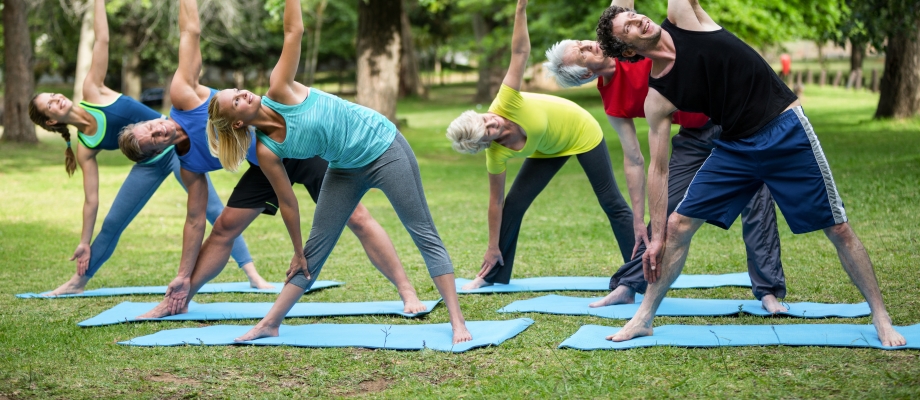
364,151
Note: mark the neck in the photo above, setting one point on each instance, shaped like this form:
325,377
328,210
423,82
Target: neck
81,119
663,51
268,121
607,70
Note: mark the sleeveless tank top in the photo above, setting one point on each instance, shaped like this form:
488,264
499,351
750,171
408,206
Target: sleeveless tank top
343,133
624,95
717,74
194,122
111,118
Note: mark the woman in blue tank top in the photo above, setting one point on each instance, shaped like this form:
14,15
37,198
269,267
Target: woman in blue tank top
99,119
364,151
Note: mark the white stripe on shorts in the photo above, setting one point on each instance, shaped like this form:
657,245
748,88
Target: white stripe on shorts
833,196
687,190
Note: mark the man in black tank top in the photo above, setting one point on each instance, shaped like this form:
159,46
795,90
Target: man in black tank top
766,139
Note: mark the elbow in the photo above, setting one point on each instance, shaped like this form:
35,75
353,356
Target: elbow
296,30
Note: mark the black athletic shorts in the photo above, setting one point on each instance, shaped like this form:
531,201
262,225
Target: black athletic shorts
255,191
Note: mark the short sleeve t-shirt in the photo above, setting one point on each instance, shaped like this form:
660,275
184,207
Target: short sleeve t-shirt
624,95
555,127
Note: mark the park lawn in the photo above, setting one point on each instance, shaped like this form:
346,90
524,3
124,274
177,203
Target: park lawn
44,354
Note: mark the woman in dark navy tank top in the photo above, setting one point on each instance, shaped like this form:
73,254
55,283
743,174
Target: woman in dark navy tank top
99,119
766,139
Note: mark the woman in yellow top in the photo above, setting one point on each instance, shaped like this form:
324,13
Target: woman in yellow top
546,130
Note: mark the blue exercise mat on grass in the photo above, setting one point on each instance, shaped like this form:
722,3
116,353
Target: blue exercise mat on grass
592,337
373,336
590,283
128,311
232,287
675,307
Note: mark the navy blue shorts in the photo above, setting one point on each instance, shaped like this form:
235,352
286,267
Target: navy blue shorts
787,157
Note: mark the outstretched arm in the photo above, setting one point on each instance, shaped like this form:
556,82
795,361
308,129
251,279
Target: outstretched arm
520,48
634,166
630,4
658,112
493,254
87,160
689,15
282,87
290,211
94,89
185,92
192,236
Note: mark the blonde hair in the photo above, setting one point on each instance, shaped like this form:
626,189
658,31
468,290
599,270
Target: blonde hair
225,142
40,119
465,132
129,145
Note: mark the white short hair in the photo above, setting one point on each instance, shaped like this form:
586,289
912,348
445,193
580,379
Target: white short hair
465,132
565,75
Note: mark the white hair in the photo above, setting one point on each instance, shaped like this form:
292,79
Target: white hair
465,132
565,75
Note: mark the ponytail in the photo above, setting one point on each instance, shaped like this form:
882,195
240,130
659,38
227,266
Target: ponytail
225,142
70,161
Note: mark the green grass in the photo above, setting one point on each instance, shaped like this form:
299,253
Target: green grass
44,354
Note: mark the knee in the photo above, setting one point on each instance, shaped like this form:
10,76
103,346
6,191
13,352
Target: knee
679,227
224,230
360,221
840,233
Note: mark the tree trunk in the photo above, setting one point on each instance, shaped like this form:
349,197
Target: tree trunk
17,70
131,67
378,55
167,101
410,83
490,71
900,84
857,55
313,53
84,51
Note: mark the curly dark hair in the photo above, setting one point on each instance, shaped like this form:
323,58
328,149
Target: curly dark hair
610,44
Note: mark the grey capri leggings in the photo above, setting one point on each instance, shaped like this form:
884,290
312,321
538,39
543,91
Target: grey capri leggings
395,173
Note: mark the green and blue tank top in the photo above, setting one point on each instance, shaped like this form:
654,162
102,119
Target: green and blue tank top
345,134
195,124
111,118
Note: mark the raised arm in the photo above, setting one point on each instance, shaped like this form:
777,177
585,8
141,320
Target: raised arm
94,89
658,112
634,166
185,92
287,202
689,15
282,87
630,4
520,48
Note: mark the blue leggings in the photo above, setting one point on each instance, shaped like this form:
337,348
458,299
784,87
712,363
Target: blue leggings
142,182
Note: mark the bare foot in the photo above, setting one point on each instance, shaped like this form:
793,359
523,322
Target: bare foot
75,285
476,284
257,332
255,280
633,329
620,295
461,334
411,303
161,310
772,305
886,333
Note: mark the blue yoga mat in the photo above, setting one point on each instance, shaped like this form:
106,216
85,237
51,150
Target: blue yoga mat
233,287
674,307
589,283
127,311
592,337
373,336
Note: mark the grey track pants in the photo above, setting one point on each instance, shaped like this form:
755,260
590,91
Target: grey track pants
395,173
533,177
690,148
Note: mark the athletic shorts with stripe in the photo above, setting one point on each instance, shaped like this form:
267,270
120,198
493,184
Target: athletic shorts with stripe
787,157
255,191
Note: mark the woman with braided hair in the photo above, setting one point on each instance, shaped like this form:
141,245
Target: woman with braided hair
99,119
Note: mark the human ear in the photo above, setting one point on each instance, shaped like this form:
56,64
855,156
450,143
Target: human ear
238,125
629,53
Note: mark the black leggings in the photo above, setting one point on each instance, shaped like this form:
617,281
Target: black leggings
533,177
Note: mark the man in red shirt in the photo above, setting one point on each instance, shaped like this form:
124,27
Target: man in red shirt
623,87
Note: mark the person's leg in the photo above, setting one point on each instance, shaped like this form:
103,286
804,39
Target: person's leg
396,173
858,266
142,182
375,241
597,166
213,255
677,245
532,178
689,149
342,191
761,240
